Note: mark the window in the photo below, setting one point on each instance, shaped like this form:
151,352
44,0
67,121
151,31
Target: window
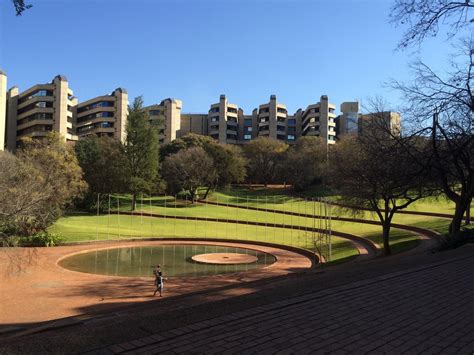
95,105
247,136
232,110
154,112
95,115
247,129
264,110
39,104
248,122
291,122
279,136
214,119
290,129
281,128
291,137
214,109
34,117
37,93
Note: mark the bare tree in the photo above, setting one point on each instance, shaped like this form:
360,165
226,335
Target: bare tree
379,175
442,109
21,6
424,17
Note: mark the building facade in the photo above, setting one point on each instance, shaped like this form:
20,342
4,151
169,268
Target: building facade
52,107
39,110
167,117
49,107
223,121
380,125
103,116
348,121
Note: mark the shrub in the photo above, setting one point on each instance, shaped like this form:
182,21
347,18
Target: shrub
42,239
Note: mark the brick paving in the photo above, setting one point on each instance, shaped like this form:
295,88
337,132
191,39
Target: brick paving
428,309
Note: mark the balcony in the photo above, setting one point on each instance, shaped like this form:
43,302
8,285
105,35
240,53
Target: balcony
36,110
96,110
32,123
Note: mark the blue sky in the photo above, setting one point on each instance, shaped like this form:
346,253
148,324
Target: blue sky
196,50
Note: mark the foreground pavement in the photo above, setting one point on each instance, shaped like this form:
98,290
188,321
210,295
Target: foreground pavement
421,304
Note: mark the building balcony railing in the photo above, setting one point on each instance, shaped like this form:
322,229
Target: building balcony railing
35,110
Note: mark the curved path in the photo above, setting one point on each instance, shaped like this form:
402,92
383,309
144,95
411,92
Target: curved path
428,237
366,248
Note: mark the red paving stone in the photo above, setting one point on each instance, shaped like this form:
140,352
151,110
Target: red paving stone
45,291
417,304
423,306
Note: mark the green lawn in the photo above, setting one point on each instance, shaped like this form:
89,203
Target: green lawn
84,227
116,225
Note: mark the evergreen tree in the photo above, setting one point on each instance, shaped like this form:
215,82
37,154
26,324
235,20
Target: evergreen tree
141,150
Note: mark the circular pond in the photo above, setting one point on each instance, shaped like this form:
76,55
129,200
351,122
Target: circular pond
175,261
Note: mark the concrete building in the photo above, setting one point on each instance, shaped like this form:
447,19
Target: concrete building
196,123
104,116
319,120
348,121
167,117
223,121
380,125
39,110
3,109
272,119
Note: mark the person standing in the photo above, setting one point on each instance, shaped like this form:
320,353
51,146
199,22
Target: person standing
158,280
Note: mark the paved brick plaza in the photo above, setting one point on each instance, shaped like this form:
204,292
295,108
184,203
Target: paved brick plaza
415,304
425,310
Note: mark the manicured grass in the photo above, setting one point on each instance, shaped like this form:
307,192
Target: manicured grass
166,207
84,227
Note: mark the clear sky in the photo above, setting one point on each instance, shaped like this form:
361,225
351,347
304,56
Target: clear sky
195,50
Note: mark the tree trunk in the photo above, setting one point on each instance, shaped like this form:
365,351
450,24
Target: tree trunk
134,202
468,214
385,236
455,226
207,193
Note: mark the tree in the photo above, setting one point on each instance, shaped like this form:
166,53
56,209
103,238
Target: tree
378,175
228,161
424,17
21,6
265,157
141,150
304,162
37,185
104,164
442,108
188,170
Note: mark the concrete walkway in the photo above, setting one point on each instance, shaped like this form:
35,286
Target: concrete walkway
417,304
